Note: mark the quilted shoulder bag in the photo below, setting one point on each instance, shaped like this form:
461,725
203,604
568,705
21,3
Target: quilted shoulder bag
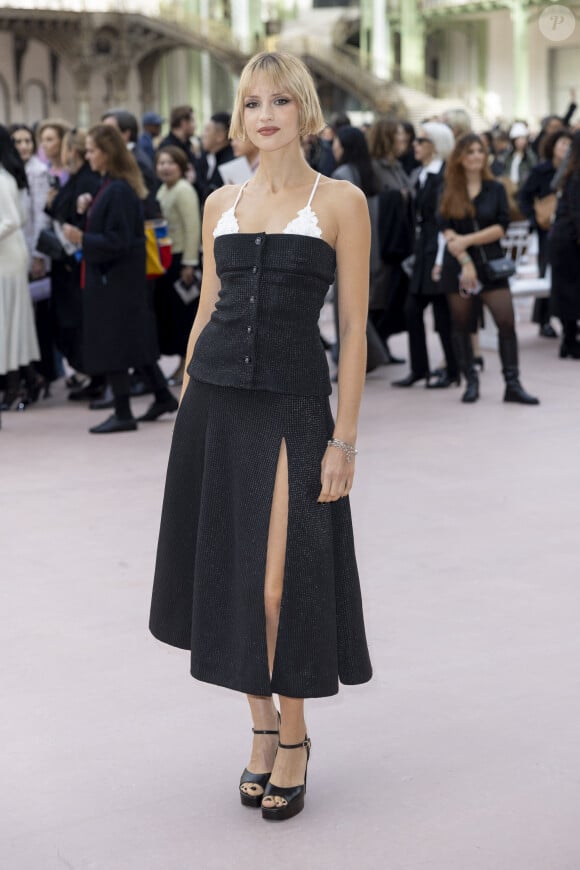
498,269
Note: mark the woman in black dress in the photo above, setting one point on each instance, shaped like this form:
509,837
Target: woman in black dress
256,571
117,331
565,254
474,216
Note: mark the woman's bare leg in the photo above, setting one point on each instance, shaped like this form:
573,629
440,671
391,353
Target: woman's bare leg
264,715
290,763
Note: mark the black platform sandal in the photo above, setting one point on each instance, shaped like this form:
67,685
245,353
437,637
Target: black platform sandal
253,797
293,796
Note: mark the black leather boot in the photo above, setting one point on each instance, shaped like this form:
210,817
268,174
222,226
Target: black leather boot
514,392
464,354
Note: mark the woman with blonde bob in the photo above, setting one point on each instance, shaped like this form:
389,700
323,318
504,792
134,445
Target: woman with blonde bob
256,571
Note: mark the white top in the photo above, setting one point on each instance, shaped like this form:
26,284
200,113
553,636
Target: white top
304,224
37,219
431,169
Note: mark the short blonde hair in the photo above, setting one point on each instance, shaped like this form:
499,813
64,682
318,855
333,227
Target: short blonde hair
287,73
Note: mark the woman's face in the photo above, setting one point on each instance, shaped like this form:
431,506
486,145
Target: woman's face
271,117
561,148
337,149
51,142
520,144
423,148
24,144
474,158
97,158
168,171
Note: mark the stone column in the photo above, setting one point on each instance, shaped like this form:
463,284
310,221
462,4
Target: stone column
412,45
82,78
246,24
366,31
521,59
381,40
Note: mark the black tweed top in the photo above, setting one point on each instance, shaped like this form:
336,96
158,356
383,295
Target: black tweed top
263,333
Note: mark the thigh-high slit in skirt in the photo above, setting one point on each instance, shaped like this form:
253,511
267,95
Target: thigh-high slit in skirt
208,594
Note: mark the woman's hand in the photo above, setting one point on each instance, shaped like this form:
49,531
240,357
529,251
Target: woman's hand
436,273
83,202
336,475
51,196
187,275
457,244
37,268
468,279
72,234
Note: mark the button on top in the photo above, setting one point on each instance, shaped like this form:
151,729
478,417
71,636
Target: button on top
247,359
249,329
258,240
252,298
254,269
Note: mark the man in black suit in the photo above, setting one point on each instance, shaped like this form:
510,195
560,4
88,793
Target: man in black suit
216,150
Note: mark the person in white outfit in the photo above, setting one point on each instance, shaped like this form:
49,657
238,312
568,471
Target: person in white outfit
18,341
38,188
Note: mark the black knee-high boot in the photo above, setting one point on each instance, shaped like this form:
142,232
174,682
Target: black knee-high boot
570,345
464,354
514,392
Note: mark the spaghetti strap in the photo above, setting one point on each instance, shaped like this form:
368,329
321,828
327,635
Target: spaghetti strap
238,197
313,190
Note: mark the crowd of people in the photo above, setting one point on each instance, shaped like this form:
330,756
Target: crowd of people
76,299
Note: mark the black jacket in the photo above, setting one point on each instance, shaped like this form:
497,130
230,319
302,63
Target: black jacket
426,234
208,183
64,205
537,185
564,242
115,316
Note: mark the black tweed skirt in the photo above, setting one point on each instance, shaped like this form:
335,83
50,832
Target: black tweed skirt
208,594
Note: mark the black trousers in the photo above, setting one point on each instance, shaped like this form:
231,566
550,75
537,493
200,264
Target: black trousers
414,309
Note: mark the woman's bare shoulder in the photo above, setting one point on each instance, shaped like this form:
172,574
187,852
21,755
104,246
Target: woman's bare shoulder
222,198
342,194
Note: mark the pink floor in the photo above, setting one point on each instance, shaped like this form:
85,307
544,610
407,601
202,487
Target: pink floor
461,754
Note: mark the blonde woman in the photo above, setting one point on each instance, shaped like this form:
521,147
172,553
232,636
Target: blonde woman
256,571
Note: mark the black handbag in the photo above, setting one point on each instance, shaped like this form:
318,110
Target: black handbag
499,269
49,244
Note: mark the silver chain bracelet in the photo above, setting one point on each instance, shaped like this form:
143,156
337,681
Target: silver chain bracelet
349,449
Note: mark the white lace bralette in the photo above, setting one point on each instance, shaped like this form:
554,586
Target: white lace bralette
304,224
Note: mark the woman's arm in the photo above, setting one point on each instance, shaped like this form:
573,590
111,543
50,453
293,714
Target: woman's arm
210,285
458,244
352,259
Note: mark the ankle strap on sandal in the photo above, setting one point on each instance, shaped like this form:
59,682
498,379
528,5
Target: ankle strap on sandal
258,731
305,744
